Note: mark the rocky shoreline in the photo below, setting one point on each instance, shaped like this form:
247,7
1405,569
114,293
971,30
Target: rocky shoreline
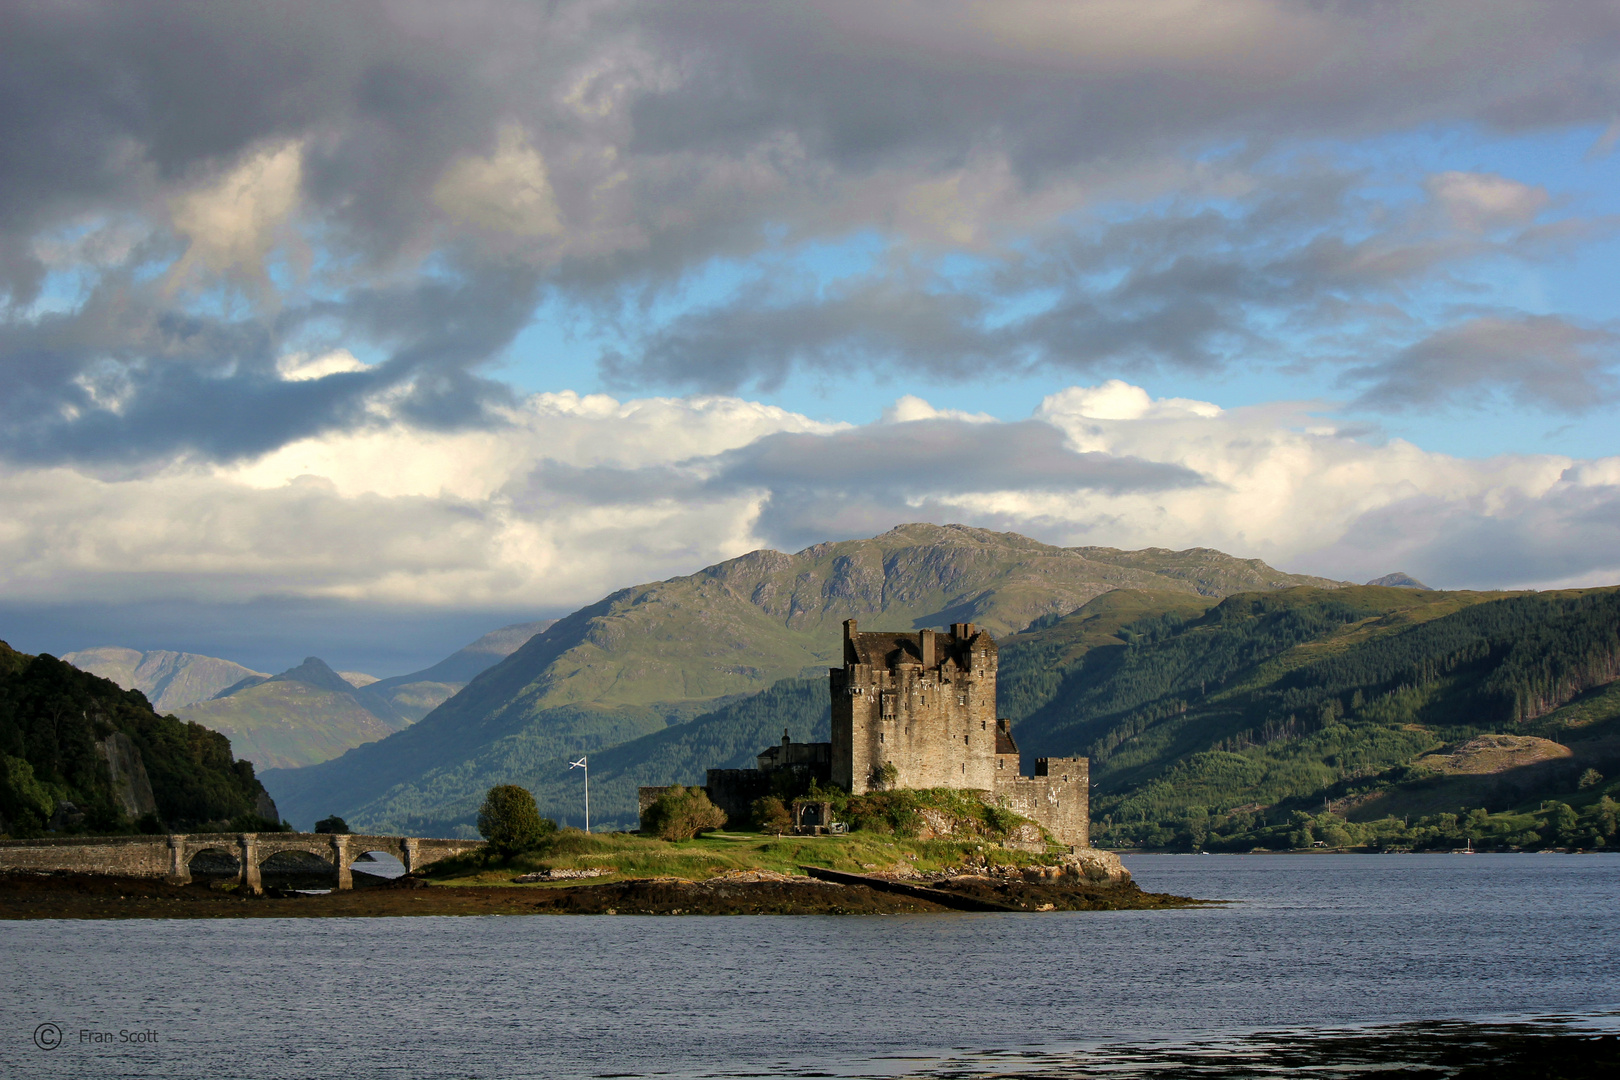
84,896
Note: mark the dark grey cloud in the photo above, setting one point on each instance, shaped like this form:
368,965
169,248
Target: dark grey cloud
676,134
1066,84
850,483
124,378
1540,361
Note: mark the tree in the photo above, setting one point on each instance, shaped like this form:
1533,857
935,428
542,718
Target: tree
1606,816
511,822
1561,823
681,813
332,824
25,805
1590,778
771,815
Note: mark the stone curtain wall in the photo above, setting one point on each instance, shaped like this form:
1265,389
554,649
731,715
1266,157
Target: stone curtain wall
1057,797
734,792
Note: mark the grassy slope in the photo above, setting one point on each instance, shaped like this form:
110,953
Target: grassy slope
630,856
658,654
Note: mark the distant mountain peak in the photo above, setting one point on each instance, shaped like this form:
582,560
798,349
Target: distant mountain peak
1399,580
315,672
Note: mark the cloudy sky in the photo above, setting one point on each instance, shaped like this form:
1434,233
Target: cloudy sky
360,329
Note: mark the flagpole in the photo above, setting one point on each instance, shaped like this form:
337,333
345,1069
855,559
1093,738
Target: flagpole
584,763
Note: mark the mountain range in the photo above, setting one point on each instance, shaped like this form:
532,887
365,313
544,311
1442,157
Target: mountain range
662,654
306,714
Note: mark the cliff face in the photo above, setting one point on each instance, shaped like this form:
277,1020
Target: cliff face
126,773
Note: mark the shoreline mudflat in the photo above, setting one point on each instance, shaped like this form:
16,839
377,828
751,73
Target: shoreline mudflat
85,896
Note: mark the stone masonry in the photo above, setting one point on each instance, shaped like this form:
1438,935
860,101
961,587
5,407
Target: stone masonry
169,857
924,703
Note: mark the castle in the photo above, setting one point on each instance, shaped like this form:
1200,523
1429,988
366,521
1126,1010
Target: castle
916,710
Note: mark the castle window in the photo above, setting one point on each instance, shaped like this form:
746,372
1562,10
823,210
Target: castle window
1001,763
982,725
964,740
964,768
880,736
961,699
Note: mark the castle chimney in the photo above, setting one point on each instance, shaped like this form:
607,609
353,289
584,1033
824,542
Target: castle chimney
926,641
959,631
850,655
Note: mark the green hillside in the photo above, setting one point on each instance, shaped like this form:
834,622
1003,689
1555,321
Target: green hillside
660,654
52,718
1367,702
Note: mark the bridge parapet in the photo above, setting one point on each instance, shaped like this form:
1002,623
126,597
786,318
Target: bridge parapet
169,856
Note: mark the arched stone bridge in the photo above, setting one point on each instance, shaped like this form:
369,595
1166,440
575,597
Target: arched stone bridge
169,857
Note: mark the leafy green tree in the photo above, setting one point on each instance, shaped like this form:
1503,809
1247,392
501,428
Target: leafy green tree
332,824
24,802
1589,779
682,812
511,822
1605,818
771,815
1561,821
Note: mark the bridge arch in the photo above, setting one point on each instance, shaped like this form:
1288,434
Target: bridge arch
220,861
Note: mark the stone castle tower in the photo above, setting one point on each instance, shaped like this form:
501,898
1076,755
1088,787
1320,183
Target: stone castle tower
918,710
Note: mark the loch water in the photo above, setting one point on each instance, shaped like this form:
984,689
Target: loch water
1310,942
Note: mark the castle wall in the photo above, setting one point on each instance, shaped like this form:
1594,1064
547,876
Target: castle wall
734,791
1057,797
